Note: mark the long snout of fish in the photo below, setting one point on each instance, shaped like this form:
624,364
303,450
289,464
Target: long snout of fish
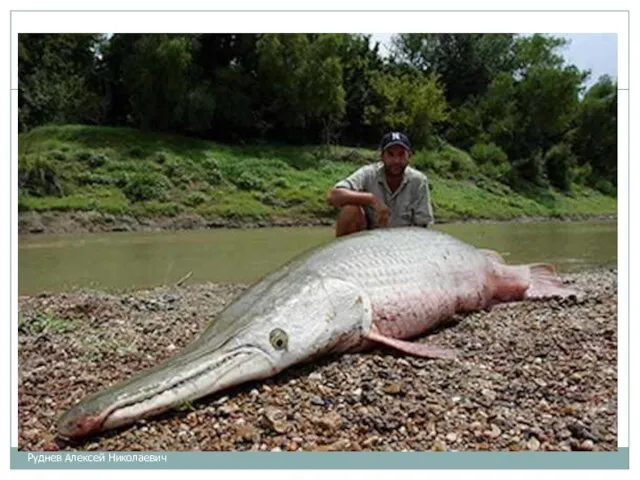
198,371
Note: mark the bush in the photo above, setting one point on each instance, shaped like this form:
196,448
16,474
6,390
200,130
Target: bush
559,161
146,186
461,165
196,198
160,157
182,170
82,156
136,152
280,182
120,178
530,169
39,176
212,172
484,153
493,161
269,199
581,174
497,172
247,181
58,155
91,178
606,187
94,160
97,160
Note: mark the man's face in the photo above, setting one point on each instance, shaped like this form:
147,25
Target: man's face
395,159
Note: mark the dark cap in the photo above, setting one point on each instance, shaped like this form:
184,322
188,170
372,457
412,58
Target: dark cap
394,138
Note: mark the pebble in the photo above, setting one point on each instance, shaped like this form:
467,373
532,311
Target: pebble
533,444
393,388
587,445
498,397
439,446
494,432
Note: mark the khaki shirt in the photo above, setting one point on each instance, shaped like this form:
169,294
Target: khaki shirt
410,204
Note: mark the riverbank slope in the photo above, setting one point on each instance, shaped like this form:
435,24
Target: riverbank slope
83,179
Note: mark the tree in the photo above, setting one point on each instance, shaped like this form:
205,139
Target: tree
281,62
156,76
413,103
360,62
300,85
59,79
595,137
115,53
323,93
539,51
466,63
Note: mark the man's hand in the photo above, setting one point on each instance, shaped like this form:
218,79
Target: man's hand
339,197
382,212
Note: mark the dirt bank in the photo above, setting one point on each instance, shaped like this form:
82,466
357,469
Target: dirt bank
33,223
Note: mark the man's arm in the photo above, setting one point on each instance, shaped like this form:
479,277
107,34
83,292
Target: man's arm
423,212
351,191
340,196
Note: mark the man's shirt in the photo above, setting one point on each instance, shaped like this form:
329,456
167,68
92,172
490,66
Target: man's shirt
410,204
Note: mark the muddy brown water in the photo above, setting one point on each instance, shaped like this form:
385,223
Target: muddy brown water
122,261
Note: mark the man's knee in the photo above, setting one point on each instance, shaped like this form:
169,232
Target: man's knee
351,219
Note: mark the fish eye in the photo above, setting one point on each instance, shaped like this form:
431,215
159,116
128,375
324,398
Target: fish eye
279,339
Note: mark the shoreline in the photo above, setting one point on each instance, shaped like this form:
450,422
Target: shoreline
81,222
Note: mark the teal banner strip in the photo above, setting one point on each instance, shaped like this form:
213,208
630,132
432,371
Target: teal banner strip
320,460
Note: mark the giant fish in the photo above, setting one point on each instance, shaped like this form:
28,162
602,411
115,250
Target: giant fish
380,287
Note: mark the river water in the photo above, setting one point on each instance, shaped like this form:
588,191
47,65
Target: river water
117,261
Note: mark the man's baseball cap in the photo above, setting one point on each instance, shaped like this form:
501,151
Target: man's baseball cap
394,138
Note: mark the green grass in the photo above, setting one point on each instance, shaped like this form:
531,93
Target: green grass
44,323
126,171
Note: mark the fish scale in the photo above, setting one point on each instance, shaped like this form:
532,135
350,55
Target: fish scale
397,268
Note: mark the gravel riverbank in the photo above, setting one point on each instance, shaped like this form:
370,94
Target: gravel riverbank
533,376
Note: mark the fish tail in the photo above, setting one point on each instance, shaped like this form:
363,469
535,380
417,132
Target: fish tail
545,283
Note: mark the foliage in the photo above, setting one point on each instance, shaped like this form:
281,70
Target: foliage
479,93
39,176
560,161
595,138
409,102
492,160
146,186
467,63
154,74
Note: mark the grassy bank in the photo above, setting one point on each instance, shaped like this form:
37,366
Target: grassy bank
125,172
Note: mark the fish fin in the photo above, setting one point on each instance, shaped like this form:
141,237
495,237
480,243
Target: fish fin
546,283
413,348
493,254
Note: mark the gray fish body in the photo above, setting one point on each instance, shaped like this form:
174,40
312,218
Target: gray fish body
380,286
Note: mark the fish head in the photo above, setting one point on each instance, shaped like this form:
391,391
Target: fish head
254,338
307,320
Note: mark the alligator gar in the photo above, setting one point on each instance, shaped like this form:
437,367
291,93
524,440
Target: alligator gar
379,287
